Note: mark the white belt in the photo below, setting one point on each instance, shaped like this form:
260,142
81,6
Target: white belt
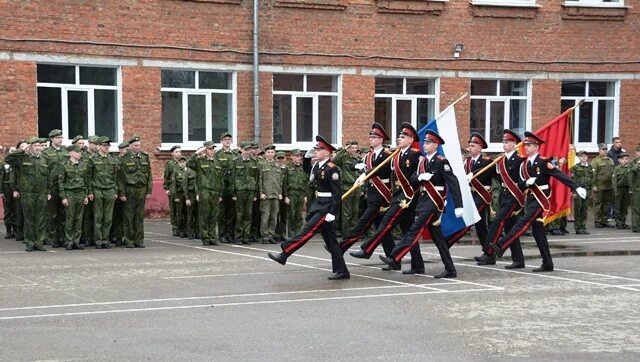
488,188
323,194
386,180
543,187
438,188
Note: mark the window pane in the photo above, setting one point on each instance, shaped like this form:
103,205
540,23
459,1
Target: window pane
287,82
98,76
496,115
78,113
513,88
605,120
304,119
214,80
104,103
421,86
585,119
197,117
220,114
328,118
426,111
171,117
478,113
403,113
566,104
321,83
517,116
574,89
601,89
56,74
49,110
484,87
179,78
389,85
281,118
383,114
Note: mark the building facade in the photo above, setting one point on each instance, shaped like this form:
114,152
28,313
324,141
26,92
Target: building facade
180,71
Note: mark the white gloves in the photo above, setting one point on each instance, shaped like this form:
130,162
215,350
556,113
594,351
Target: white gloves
361,178
310,153
469,176
459,212
425,176
581,192
329,218
360,166
531,181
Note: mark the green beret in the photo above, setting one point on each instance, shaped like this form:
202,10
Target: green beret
270,146
93,139
254,145
296,152
43,140
103,139
580,153
602,146
245,145
623,154
74,148
176,147
123,145
352,142
209,144
281,154
55,133
77,138
224,135
33,140
134,138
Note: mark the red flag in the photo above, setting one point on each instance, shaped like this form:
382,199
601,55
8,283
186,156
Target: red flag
557,139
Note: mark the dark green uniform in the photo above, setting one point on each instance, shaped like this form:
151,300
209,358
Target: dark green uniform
56,219
103,178
169,168
281,224
34,184
135,177
192,204
19,225
622,200
582,174
296,187
270,184
602,189
116,234
74,186
244,187
9,204
256,218
350,205
87,218
634,190
209,179
178,200
226,223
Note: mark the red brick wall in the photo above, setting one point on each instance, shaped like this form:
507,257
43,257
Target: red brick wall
358,93
450,90
18,101
629,114
545,102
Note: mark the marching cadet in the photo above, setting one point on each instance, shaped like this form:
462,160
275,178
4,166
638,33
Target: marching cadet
511,200
55,155
434,177
602,186
347,159
480,187
135,178
621,189
6,194
75,190
295,191
326,177
378,193
401,212
209,175
582,174
226,224
103,171
178,189
281,224
270,187
244,187
33,187
535,174
116,233
88,238
169,168
634,190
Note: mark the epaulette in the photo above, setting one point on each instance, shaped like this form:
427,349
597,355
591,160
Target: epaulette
440,157
386,150
415,149
486,157
331,164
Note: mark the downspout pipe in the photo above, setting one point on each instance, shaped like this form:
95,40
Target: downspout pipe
256,76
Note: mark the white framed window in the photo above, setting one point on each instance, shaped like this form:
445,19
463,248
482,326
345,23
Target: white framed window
497,105
506,3
79,100
305,105
399,100
595,3
197,106
596,120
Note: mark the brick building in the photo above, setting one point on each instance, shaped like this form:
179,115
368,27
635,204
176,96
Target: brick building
180,71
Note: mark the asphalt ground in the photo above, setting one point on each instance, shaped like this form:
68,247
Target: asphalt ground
177,300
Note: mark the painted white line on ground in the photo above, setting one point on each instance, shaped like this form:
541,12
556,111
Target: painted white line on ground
17,285
234,274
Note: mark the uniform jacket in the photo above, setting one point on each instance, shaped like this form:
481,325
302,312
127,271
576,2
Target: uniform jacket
209,173
74,177
103,172
442,177
33,173
407,166
326,178
542,169
373,194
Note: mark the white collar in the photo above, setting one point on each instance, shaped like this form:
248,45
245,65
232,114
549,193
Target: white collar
376,151
403,150
532,158
474,159
321,163
430,156
509,154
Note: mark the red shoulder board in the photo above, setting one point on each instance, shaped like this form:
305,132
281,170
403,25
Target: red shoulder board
486,157
386,150
415,149
440,157
331,164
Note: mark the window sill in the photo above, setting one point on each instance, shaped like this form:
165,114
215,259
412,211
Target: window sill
503,4
605,13
493,9
414,7
602,5
234,2
337,5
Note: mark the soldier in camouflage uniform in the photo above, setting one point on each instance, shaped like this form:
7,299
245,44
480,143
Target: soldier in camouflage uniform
55,155
116,234
33,187
244,187
256,153
634,190
582,174
87,218
209,185
270,187
602,186
75,188
281,225
295,190
621,190
6,194
169,168
348,159
180,195
190,202
103,180
225,223
135,178
13,184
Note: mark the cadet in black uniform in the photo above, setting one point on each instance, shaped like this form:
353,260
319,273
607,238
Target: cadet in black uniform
321,213
535,172
435,179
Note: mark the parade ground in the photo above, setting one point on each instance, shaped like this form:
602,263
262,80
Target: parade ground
177,300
